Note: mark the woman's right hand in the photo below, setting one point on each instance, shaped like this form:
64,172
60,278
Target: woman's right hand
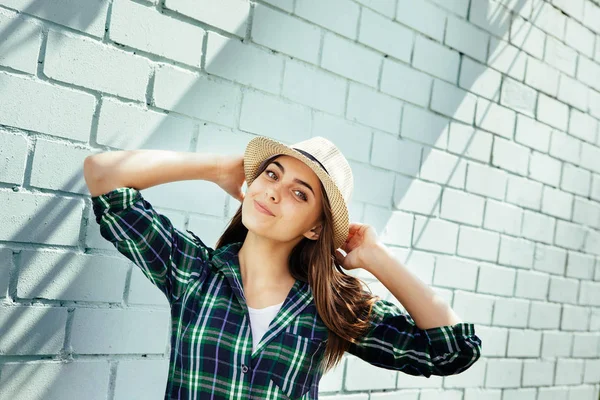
232,177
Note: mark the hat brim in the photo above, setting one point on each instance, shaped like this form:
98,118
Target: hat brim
260,148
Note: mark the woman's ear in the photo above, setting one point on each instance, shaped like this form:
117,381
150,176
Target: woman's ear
315,232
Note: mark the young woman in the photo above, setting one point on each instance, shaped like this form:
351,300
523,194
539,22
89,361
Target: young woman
268,311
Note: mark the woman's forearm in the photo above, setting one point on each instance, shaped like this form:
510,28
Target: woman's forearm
425,306
144,168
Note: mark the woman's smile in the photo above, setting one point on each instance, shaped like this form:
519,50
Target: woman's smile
262,209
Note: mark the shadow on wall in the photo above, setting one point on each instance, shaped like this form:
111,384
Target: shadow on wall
145,93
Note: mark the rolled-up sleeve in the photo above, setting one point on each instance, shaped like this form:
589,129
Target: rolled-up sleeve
395,342
169,258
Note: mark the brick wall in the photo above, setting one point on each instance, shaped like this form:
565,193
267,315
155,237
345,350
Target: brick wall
471,127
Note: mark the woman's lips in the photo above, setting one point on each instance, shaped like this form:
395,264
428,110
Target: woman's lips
261,209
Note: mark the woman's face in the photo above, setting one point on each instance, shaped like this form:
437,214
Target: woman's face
292,192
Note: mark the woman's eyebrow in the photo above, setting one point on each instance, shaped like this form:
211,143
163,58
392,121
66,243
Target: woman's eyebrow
295,179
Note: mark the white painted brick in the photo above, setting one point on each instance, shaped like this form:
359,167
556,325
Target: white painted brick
435,234
524,343
532,285
524,192
496,280
575,318
473,377
595,187
462,207
516,252
494,118
487,181
496,338
538,227
556,344
592,371
557,203
458,7
585,345
553,393
519,97
13,149
361,376
268,115
252,66
575,180
350,60
588,72
406,381
569,235
287,5
386,36
503,373
519,394
550,259
180,91
443,168
583,393
510,156
573,8
590,293
544,168
75,59
563,290
502,217
583,126
27,36
284,33
541,76
314,87
423,17
560,56
580,265
155,33
579,37
372,108
549,19
473,307
62,14
394,227
399,155
328,15
532,133
590,157
467,141
544,315
573,92
399,80
490,16
482,394
591,16
89,335
552,112
235,20
447,394
478,244
140,377
466,38
455,273
538,372
424,127
435,59
372,185
507,58
353,140
568,372
594,103
527,37
453,102
565,147
480,79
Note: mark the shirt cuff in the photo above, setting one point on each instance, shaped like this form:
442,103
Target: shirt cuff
451,338
116,200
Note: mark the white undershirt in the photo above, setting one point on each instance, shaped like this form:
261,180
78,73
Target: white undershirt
260,319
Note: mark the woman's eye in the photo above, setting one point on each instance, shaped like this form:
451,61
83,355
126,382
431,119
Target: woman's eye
302,194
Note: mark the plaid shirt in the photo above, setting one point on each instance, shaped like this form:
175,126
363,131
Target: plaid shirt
211,343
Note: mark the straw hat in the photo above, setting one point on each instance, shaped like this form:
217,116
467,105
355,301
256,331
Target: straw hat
325,159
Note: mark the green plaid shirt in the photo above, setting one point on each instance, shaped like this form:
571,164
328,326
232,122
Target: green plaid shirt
211,341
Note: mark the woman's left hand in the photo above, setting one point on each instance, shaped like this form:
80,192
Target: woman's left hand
362,241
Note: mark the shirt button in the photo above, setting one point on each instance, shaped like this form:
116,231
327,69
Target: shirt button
244,368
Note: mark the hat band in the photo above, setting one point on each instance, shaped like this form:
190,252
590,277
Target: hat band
312,158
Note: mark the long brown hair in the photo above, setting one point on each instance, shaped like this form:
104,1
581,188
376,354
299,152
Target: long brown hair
341,302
